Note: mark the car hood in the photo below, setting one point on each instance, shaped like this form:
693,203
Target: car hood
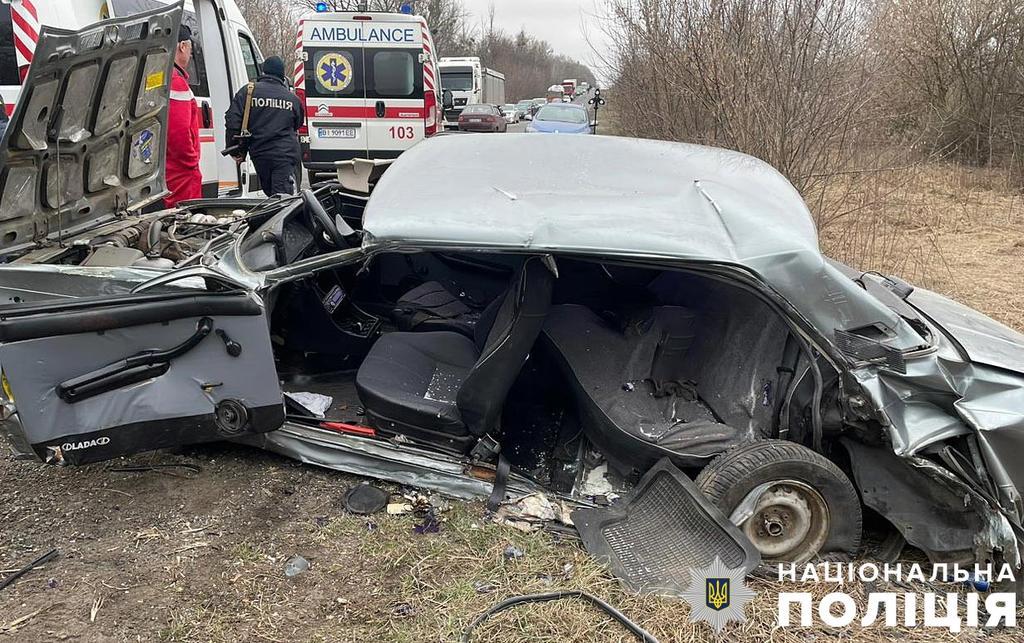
91,118
983,339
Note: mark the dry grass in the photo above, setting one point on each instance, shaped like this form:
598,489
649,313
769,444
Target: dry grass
948,228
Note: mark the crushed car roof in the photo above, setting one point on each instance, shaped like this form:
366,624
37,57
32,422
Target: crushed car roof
607,194
99,96
616,196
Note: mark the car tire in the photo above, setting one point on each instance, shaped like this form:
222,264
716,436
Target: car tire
801,504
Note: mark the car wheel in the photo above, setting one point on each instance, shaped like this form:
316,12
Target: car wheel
791,502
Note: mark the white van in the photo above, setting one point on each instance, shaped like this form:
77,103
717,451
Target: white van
225,57
370,85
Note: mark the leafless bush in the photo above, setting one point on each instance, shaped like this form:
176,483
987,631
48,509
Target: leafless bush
529,64
804,84
788,81
957,74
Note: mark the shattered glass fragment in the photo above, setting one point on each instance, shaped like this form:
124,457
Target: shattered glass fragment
444,384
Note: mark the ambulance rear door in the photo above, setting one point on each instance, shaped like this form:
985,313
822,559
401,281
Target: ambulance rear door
336,104
394,87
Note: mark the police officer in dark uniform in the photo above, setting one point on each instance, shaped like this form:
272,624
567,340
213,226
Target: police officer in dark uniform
271,139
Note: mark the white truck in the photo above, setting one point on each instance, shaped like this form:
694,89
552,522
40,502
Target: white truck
470,84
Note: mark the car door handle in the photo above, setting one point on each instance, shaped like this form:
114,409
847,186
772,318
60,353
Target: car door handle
207,115
381,109
233,348
130,370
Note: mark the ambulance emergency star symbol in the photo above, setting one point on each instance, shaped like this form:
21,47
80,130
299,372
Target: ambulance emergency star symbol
717,595
333,73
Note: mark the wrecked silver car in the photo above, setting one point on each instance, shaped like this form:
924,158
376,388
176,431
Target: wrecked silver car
669,311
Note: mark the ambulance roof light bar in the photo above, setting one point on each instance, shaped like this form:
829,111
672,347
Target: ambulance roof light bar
322,7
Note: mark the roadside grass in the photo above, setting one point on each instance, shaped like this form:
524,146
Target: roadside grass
949,228
375,580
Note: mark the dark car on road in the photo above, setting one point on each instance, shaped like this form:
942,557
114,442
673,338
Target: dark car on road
482,118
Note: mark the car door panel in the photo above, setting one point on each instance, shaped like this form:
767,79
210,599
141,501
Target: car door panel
135,376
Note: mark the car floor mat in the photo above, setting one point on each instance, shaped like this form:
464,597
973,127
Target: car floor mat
662,530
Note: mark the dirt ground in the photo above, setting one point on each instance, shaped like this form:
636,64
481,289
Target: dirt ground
200,557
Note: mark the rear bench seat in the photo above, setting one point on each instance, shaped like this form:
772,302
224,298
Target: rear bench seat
628,385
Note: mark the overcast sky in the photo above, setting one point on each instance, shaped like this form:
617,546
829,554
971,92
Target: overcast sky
566,24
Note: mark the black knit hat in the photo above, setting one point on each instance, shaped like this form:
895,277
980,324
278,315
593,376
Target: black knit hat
184,33
274,66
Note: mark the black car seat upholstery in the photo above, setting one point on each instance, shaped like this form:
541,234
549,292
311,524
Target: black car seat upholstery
630,391
446,388
431,307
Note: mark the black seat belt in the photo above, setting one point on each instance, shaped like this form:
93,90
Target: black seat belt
500,483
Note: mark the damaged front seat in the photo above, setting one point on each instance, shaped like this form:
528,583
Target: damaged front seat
442,386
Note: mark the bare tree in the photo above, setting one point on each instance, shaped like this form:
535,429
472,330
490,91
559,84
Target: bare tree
956,73
788,81
529,64
273,24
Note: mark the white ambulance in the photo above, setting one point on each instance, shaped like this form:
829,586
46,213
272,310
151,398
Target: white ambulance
225,57
370,85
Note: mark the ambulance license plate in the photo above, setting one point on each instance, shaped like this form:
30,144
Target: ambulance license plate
336,132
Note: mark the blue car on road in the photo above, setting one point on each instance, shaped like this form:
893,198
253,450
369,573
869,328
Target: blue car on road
561,118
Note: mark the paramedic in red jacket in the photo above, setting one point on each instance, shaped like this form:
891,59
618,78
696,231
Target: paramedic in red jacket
183,177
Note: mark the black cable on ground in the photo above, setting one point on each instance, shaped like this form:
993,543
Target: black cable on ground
42,560
633,628
164,468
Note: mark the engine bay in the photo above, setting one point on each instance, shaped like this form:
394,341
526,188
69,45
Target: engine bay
163,240
272,233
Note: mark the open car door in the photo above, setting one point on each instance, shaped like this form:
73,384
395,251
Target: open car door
96,378
100,376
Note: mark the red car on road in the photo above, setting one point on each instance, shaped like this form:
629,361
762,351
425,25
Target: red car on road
482,118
